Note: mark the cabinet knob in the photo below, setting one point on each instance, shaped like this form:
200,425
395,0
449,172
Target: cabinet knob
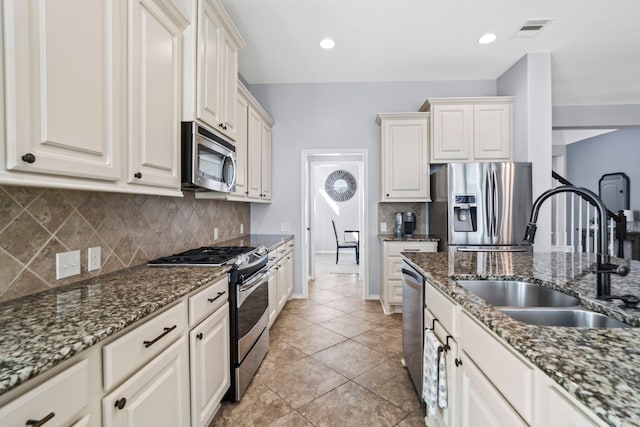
29,158
199,336
387,195
458,362
220,125
38,423
120,403
137,175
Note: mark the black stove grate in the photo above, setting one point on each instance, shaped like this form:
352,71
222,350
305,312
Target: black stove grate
206,255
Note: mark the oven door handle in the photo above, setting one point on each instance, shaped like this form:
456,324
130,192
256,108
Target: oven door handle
247,289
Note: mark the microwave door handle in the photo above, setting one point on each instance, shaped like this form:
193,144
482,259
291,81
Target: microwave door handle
233,178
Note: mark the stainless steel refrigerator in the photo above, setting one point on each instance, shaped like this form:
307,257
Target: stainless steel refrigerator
480,206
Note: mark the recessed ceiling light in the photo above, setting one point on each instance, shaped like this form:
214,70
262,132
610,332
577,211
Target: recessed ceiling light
327,44
487,38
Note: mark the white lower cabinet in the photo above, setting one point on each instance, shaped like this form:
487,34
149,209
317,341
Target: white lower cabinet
157,395
61,401
488,383
281,284
273,296
210,364
391,286
480,402
280,278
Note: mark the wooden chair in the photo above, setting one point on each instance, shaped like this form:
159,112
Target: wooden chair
347,244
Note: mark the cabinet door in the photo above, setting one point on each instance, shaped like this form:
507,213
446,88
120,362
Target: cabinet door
229,87
492,132
242,107
405,160
254,173
65,91
451,133
273,296
157,395
480,403
266,162
209,60
154,118
289,270
210,366
281,284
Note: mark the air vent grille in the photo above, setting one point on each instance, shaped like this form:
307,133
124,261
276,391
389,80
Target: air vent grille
532,27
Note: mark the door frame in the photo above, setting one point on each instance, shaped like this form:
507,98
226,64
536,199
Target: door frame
360,156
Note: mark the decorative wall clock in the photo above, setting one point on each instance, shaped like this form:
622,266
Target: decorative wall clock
340,185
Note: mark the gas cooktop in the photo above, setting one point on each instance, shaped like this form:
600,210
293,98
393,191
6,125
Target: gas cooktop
204,256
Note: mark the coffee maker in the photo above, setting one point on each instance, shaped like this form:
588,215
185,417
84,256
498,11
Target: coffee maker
408,224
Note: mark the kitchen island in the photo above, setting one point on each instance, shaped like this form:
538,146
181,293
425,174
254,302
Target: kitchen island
598,367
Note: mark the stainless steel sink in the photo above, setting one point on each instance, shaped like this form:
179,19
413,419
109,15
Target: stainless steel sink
575,317
511,293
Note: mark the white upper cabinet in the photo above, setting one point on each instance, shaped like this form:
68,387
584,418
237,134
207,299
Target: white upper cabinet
242,111
470,129
155,81
64,86
266,161
218,43
404,155
254,135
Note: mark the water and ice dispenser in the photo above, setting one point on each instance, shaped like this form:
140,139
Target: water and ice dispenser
465,213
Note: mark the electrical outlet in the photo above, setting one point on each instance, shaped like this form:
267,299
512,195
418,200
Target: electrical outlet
241,228
285,226
215,233
93,255
383,227
67,264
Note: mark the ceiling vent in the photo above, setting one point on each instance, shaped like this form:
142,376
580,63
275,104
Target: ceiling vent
532,27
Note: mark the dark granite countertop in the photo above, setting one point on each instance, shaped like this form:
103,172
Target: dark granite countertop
415,238
600,367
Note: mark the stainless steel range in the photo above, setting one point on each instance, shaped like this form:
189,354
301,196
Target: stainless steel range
248,304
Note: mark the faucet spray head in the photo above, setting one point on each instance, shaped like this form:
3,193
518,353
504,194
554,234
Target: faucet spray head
530,233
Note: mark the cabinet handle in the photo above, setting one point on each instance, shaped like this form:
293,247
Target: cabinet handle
213,299
29,158
148,344
458,362
38,423
137,175
199,336
387,195
220,125
120,403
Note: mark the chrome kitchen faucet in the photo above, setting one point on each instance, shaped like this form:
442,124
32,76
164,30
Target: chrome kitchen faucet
604,268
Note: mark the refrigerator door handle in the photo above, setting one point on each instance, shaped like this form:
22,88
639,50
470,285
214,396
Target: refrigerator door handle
494,209
488,208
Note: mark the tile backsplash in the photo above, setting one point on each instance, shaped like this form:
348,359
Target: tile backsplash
37,223
387,213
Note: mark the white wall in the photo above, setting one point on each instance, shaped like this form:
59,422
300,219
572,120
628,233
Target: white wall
335,116
345,214
594,116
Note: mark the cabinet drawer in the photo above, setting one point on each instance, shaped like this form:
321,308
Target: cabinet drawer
272,257
395,291
280,251
394,248
442,308
508,373
394,268
129,352
289,245
65,396
207,301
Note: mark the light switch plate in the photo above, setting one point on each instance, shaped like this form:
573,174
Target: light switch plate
285,226
215,233
383,227
93,256
67,264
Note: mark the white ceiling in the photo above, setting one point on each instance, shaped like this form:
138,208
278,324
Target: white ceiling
594,44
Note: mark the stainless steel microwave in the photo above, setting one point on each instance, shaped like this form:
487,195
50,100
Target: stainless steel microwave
208,161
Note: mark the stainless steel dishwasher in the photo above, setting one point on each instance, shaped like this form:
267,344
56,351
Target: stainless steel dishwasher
413,324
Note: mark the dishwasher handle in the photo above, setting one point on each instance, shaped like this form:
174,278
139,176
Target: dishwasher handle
417,278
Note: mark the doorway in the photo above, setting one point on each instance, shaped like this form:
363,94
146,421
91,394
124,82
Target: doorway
322,171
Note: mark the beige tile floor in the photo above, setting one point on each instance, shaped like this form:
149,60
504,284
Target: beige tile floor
334,360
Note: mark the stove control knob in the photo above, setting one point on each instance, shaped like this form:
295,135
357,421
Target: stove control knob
261,250
242,260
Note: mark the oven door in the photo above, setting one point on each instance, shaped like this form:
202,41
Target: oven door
253,311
